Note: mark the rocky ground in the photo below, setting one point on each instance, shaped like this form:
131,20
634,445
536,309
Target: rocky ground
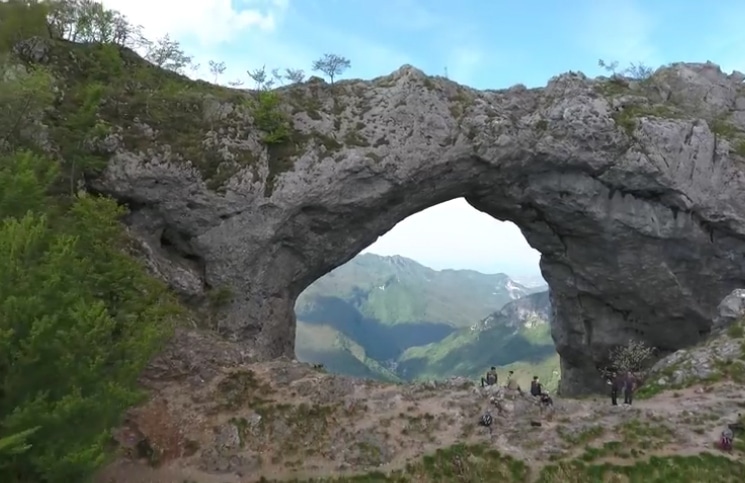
217,417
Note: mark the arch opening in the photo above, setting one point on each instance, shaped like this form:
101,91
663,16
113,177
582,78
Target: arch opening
449,291
635,216
613,274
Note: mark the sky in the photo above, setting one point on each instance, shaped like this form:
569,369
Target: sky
486,44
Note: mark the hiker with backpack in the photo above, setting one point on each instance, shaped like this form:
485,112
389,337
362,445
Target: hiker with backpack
727,437
491,377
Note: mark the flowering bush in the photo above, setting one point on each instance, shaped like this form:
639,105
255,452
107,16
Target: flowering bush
633,356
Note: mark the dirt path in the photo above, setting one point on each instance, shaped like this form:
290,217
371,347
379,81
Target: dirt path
287,421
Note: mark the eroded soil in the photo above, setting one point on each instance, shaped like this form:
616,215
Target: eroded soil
286,420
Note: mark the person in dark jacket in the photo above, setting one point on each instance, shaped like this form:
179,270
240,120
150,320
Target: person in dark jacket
491,377
629,386
616,386
536,389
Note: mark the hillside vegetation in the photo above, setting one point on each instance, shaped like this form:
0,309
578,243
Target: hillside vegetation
516,338
79,316
340,325
396,290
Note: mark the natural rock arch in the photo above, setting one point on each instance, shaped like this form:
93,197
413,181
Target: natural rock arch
633,201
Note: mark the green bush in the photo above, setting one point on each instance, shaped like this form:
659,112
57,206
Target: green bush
269,117
79,319
21,19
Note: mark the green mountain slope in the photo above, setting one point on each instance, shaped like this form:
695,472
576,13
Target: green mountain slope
391,317
517,337
323,344
394,290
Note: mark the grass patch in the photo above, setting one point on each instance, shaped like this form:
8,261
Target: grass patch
583,436
645,435
613,87
702,468
628,117
478,463
732,369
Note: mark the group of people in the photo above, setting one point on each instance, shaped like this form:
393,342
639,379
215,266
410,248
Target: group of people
536,388
625,383
620,382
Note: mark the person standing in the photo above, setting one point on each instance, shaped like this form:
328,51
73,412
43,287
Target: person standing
629,386
535,387
616,386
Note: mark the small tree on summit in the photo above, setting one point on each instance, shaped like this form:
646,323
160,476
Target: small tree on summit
332,65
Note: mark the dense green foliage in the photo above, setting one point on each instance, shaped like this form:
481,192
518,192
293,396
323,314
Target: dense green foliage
79,316
528,351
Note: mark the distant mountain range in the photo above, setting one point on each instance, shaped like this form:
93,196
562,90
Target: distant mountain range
394,319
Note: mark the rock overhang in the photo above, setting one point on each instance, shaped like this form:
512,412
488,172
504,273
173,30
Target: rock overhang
631,190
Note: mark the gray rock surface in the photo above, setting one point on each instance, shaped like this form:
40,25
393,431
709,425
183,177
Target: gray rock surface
722,353
633,193
731,309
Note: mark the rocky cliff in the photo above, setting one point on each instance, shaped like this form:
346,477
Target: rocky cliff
527,311
632,191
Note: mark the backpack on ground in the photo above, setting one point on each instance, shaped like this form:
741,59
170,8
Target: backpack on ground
486,420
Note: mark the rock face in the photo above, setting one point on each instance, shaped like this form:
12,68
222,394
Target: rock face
527,311
633,193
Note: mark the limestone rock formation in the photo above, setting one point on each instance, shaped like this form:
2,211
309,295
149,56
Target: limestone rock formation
721,356
633,192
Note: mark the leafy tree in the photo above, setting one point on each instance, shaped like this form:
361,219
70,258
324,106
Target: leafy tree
636,71
269,117
294,76
639,71
90,21
261,78
216,69
332,65
21,19
79,319
168,54
23,92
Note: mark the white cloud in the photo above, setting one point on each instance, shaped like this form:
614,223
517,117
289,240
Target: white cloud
618,30
209,22
456,235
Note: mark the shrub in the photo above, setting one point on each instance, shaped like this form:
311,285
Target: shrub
633,356
79,319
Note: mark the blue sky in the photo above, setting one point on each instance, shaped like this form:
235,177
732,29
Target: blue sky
484,44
